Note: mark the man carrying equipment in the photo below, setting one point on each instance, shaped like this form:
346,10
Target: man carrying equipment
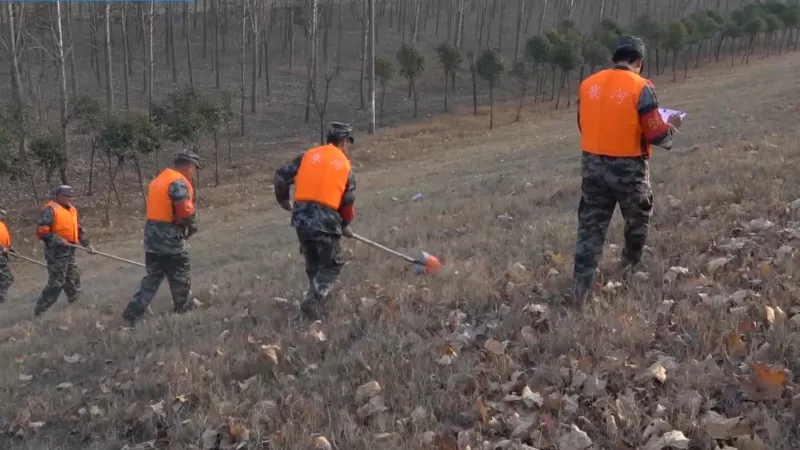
619,120
171,220
6,277
60,229
325,197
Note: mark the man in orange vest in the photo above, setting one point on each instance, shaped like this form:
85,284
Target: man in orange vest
323,208
6,277
60,229
619,120
171,220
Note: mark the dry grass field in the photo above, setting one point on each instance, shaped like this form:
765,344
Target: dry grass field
698,352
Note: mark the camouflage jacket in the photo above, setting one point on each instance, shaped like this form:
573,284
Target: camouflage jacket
51,243
648,101
170,238
311,215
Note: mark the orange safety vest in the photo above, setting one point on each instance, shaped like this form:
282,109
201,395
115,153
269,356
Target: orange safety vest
5,236
159,204
609,116
65,222
322,176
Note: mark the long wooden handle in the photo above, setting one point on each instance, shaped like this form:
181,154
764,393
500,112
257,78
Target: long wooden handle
386,249
25,258
135,263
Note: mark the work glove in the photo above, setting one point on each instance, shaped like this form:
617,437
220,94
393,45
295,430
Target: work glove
91,249
189,232
287,205
675,121
347,232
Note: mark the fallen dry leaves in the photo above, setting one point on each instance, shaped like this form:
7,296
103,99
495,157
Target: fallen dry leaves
230,436
700,363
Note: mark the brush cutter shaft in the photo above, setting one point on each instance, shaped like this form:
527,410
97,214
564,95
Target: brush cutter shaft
387,249
25,258
135,263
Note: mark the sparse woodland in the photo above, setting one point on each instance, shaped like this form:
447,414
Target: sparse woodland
98,93
474,159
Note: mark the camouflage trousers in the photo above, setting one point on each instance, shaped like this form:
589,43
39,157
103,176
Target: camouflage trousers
323,256
62,274
609,181
176,269
6,278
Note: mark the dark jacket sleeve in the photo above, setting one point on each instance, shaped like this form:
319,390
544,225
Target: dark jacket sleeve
347,210
656,131
284,178
44,227
82,236
183,204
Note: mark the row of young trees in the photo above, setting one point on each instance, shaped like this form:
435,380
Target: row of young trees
555,55
548,63
120,139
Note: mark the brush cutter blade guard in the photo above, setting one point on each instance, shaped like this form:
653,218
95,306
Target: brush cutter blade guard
427,265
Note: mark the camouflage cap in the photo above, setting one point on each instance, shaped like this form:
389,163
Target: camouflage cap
64,190
339,131
185,156
630,43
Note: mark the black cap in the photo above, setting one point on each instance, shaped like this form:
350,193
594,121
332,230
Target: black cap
339,131
630,43
64,190
185,156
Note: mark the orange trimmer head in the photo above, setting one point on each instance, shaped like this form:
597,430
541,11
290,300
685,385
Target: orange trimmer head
426,264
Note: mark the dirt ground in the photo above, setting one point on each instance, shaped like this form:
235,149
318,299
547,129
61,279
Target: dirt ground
483,352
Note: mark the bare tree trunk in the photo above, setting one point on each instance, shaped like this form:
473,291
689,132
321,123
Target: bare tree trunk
216,49
474,84
171,25
254,65
339,41
216,156
459,34
244,64
328,19
312,57
150,62
371,65
126,57
265,38
95,61
167,55
91,168
542,15
72,77
188,35
143,44
109,62
291,37
205,28
520,13
62,87
14,36
500,28
364,32
415,24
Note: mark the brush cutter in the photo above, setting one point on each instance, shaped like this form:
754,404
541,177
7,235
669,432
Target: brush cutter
25,258
425,265
117,258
